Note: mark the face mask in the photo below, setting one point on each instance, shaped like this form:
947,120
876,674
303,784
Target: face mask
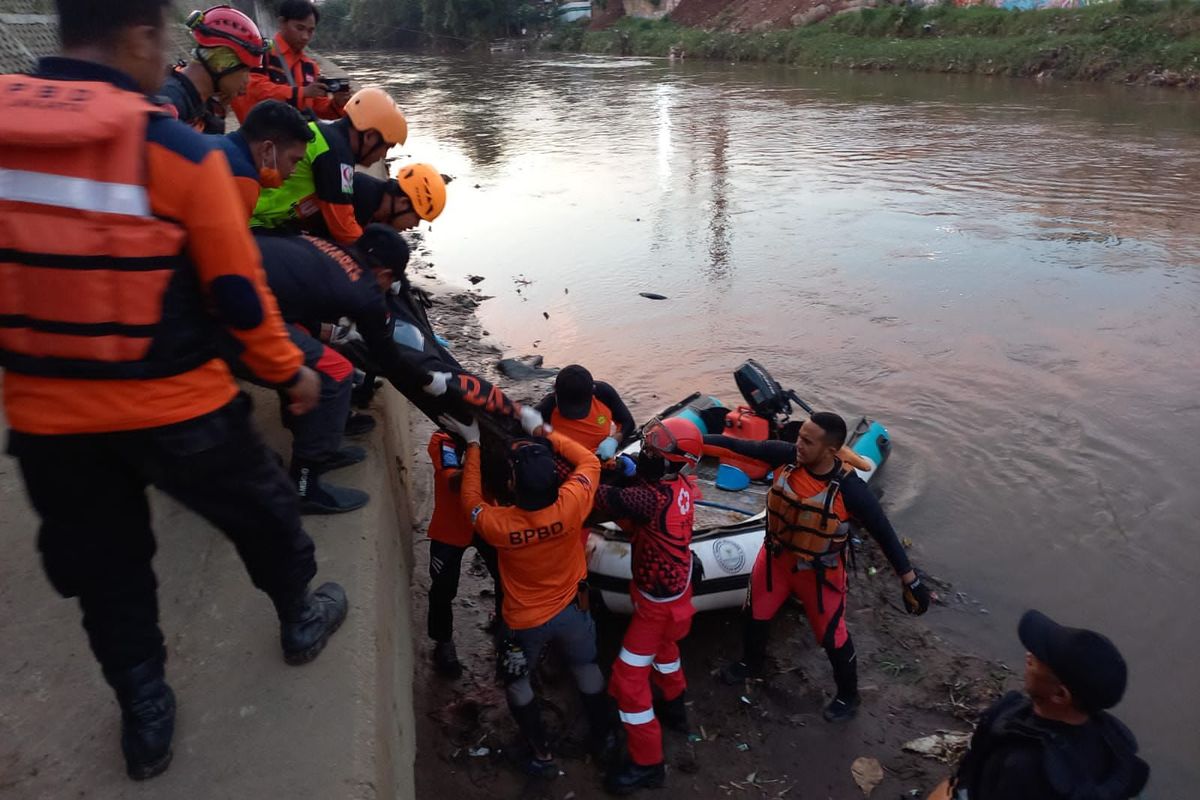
270,177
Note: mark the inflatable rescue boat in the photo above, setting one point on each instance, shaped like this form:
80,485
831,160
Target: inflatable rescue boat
730,517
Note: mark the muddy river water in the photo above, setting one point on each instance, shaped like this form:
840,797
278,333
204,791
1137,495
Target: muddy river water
1007,274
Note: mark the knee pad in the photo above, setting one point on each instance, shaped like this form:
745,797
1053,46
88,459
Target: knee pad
588,678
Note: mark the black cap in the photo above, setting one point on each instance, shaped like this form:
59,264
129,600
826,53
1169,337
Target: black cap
573,390
384,246
535,477
1086,662
369,192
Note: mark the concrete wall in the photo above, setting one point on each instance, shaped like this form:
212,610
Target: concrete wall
249,725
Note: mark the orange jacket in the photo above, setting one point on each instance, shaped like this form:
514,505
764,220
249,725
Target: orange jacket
123,252
449,523
541,552
270,82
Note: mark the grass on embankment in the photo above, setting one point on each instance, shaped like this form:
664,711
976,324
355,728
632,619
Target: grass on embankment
1130,40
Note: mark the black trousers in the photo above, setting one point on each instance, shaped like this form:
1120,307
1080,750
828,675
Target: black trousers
318,434
445,564
95,537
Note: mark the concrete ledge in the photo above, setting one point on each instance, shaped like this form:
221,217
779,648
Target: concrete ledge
248,725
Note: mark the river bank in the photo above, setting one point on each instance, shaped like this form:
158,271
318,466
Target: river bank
743,739
1129,41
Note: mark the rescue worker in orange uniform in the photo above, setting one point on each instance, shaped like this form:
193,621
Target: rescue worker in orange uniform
811,502
228,44
288,75
588,411
388,201
659,507
265,150
450,534
319,196
105,199
544,573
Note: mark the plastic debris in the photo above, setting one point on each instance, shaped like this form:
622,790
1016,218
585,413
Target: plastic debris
742,747
695,737
944,746
867,773
478,752
746,700
872,571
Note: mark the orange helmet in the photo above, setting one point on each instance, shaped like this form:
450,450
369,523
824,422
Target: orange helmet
676,439
223,26
425,188
373,109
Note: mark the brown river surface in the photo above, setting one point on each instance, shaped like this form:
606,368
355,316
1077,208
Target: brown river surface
1007,274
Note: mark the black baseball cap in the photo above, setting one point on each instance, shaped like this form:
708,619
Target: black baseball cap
369,192
535,478
1086,662
573,390
384,246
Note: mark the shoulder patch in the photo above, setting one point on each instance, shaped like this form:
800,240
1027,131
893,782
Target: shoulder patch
347,178
475,512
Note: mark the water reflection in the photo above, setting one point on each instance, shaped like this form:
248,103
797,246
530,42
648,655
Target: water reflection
1004,272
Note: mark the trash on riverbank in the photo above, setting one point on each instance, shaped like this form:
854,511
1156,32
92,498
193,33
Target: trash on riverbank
944,746
524,368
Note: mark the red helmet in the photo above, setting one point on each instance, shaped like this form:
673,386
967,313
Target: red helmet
223,26
677,440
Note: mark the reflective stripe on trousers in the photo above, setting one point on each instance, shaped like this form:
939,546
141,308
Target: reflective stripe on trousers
637,717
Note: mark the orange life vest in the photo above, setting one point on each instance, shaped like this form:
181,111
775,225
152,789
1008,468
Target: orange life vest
589,431
806,516
84,263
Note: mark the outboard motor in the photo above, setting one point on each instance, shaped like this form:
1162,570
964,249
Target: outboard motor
764,394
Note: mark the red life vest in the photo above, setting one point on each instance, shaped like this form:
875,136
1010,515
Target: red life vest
662,555
84,262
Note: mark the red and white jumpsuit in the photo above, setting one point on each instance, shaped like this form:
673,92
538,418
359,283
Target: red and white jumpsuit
660,514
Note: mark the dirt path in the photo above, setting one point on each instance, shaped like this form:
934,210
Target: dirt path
761,740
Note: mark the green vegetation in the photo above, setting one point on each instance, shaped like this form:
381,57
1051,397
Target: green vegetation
1126,40
360,24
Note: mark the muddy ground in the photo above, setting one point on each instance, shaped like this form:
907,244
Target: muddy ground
759,740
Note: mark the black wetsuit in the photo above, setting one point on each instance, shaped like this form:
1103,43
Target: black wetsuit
860,501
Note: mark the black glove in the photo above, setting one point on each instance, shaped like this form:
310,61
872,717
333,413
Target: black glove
916,597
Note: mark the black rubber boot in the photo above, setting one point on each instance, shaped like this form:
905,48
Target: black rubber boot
845,703
322,498
602,734
673,713
445,660
306,622
147,717
529,722
755,633
632,777
359,425
345,457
